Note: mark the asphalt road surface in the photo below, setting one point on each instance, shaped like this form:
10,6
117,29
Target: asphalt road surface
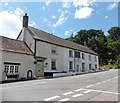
101,86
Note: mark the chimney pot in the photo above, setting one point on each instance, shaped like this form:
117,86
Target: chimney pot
25,20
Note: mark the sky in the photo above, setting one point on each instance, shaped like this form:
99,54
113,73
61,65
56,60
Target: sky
59,18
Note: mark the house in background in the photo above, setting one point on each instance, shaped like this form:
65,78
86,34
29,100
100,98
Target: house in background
38,53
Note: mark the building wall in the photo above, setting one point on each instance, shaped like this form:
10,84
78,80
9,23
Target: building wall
87,61
44,50
27,37
62,58
67,59
26,61
1,76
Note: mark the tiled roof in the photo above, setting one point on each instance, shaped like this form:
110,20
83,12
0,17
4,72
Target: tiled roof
43,36
13,45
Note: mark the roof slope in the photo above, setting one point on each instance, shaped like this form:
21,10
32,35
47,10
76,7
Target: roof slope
13,45
41,35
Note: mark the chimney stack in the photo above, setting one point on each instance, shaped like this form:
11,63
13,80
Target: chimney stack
25,20
85,44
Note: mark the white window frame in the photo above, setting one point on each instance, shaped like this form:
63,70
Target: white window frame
83,55
11,70
70,53
70,66
90,57
53,60
54,50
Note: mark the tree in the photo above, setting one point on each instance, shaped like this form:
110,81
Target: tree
114,33
107,47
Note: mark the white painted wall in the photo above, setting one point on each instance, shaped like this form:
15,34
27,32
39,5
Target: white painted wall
26,61
27,37
1,76
44,50
67,59
62,57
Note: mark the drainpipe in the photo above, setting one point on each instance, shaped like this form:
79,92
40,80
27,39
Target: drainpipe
35,49
74,60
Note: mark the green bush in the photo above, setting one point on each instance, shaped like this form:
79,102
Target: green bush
109,66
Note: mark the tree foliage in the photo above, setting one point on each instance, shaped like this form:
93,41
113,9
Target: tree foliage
107,47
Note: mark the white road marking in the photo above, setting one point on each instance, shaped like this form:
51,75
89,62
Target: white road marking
89,86
28,84
77,90
51,98
104,81
108,80
105,92
67,93
98,83
77,95
87,91
65,99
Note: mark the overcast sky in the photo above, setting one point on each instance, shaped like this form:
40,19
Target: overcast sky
60,18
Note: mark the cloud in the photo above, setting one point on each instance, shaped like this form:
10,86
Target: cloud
106,17
43,8
59,10
66,4
18,11
84,12
63,17
6,4
67,32
33,24
112,6
11,22
81,3
47,2
53,17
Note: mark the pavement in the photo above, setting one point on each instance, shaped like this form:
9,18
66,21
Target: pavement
100,86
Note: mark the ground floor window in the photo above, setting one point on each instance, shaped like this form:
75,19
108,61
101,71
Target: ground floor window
95,66
53,64
11,68
83,67
77,68
70,65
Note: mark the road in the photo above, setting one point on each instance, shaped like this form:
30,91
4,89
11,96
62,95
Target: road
101,86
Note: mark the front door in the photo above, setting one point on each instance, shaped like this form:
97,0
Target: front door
39,69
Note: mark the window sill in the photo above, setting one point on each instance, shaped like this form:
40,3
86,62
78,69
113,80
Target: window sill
54,53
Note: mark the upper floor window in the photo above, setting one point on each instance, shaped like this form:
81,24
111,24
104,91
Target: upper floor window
90,57
83,56
54,50
77,54
70,53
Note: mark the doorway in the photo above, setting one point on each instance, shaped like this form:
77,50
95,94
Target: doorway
83,67
39,71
